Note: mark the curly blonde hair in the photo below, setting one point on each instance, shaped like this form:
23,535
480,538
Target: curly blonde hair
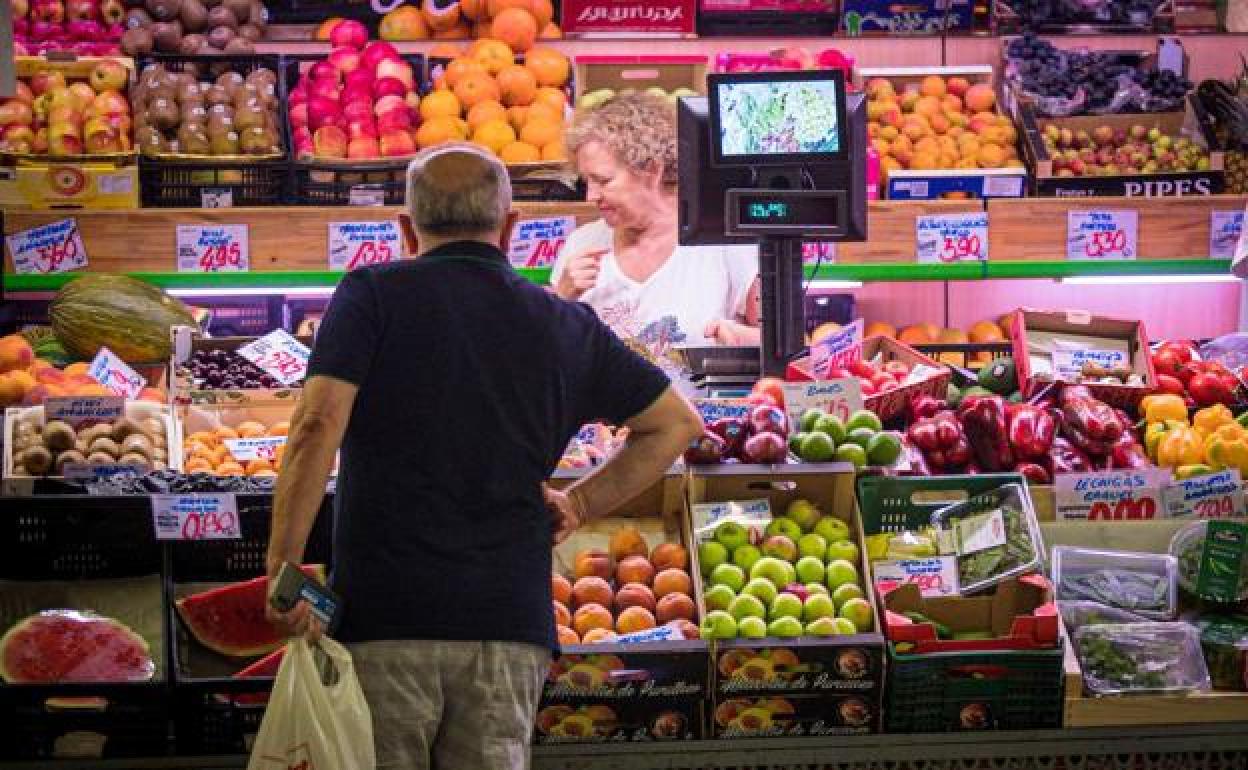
638,128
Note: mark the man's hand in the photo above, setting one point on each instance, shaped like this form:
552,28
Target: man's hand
732,333
581,274
566,515
298,622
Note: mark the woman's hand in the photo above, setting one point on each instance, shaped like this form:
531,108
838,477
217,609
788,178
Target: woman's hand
581,274
732,333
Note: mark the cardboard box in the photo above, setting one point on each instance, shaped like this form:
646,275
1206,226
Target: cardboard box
796,715
207,418
1020,614
619,721
185,342
69,185
1035,334
618,73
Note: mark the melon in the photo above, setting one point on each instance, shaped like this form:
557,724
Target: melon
73,646
129,317
230,620
265,668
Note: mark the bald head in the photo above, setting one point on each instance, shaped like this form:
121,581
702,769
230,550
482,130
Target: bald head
458,189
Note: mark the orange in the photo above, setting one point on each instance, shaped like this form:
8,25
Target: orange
880,329
476,87
517,116
460,31
543,11
916,335
250,429
437,104
472,9
539,131
543,112
229,468
494,134
207,438
552,97
550,32
279,428
550,66
225,431
81,367
986,331
198,465
493,54
555,151
458,68
483,111
516,27
520,152
495,7
517,84
437,131
257,465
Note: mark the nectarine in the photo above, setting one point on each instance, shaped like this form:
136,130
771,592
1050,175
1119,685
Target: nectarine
672,581
634,569
626,541
634,619
592,563
567,635
560,588
675,606
562,616
634,595
592,590
598,636
591,616
669,555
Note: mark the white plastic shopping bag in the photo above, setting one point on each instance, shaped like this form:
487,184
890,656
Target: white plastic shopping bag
312,725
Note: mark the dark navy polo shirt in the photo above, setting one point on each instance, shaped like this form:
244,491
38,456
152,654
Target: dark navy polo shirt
472,381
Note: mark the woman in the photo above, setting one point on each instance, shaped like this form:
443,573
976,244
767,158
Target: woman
628,265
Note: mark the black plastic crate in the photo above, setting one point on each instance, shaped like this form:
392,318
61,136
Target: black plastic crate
77,538
208,183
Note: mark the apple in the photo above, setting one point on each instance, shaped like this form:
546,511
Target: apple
330,142
786,527
363,148
816,588
732,430
17,133
718,624
84,95
780,547
349,34
818,606
845,592
766,418
762,589
389,103
377,51
398,69
357,92
64,142
832,529
803,513
752,628
858,612
711,554
345,60
15,113
729,575
101,141
299,115
785,605
396,143
843,550
51,11
822,627
109,75
798,590
357,110
732,535
362,129
841,572
810,569
65,115
780,573
747,606
388,87
844,627
718,597
40,144
110,103
323,71
785,628
322,112
23,93
745,556
399,121
812,545
765,448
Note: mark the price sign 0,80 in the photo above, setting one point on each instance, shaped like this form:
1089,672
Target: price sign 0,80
280,355
213,249
356,244
1102,235
51,248
948,238
113,373
195,517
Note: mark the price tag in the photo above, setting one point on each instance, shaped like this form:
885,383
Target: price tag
979,532
195,517
280,355
247,449
713,409
1212,496
752,515
814,252
77,410
839,350
934,575
1225,228
1111,495
366,195
536,242
947,238
356,244
52,248
839,398
213,249
1068,364
113,373
216,198
1102,234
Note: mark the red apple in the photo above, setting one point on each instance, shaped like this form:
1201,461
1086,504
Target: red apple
364,147
330,142
356,92
387,103
51,11
42,82
299,114
19,133
395,68
83,95
349,33
765,448
66,140
362,129
102,141
357,110
23,93
361,76
110,103
16,113
325,89
388,86
377,51
766,418
323,70
345,60
707,450
322,112
397,144
40,144
394,121
298,94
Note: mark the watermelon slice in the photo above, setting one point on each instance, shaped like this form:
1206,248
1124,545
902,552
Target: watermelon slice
230,620
265,667
73,646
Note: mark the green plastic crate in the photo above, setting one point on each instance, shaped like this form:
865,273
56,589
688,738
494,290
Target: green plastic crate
898,503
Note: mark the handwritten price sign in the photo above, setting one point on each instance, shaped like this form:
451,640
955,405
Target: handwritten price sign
195,517
356,244
1102,235
213,249
1212,496
113,373
80,410
1225,227
838,350
839,398
1111,495
537,242
948,238
935,575
247,449
280,355
52,248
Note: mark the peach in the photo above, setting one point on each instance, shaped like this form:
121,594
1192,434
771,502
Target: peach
592,563
562,616
634,619
15,353
397,143
634,595
980,98
591,616
599,636
672,581
951,103
669,555
957,86
14,386
933,85
567,635
687,628
592,590
560,588
625,542
876,87
634,569
675,606
928,105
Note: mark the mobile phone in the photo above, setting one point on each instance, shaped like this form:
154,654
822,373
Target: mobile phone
292,585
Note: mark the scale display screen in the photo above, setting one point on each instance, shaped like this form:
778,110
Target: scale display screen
763,210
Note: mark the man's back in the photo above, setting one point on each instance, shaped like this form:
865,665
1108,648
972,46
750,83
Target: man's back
472,381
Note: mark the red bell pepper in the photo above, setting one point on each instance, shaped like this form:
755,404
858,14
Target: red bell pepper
1091,447
1089,416
1031,431
983,419
941,440
1127,453
1034,472
1065,457
926,406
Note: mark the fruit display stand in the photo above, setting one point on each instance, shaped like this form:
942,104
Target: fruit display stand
604,76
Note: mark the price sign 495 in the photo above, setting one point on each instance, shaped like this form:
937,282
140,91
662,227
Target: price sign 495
213,248
221,256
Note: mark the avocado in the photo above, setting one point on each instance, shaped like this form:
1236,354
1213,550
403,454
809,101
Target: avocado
999,376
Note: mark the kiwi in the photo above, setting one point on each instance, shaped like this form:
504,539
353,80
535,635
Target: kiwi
249,117
58,435
164,90
65,458
190,92
150,141
250,32
37,460
163,114
219,123
91,433
154,428
164,10
136,17
126,426
134,458
262,78
256,141
137,443
152,74
224,143
194,114
220,37
215,95
193,140
194,15
106,445
167,35
137,41
230,80
101,458
222,17
159,455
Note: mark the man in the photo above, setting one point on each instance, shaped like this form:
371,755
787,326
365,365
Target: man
453,386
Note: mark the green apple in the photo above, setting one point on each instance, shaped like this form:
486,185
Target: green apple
858,612
817,588
860,436
785,628
845,627
842,549
812,545
719,625
745,556
809,417
884,448
852,454
832,426
751,627
864,418
831,528
718,597
816,447
809,569
780,547
839,573
786,527
818,606
845,592
795,442
804,513
822,627
762,589
780,573
711,554
746,606
730,575
732,535
785,605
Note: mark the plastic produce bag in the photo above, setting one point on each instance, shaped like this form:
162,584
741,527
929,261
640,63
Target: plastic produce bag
317,716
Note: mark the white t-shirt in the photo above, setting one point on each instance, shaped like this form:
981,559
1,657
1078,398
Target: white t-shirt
671,308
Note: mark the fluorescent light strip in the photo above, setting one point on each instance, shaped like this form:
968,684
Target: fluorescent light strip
1144,280
256,291
817,284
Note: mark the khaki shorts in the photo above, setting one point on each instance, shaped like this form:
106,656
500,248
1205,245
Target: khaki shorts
451,705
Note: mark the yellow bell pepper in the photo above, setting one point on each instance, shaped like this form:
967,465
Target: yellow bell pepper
1155,432
1209,419
1162,407
1227,447
1191,471
1180,445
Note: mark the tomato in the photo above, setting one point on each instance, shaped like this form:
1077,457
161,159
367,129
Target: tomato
1208,389
769,390
1167,362
1169,384
1182,350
